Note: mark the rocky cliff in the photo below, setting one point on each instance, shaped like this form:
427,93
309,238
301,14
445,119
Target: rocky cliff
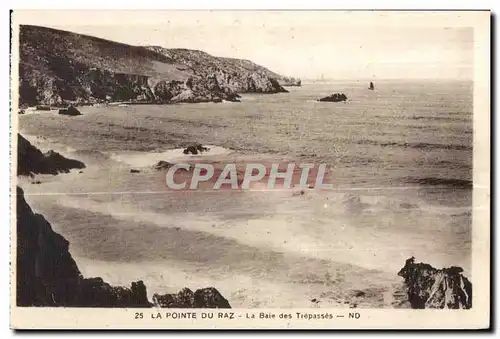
30,160
235,75
428,287
289,81
47,275
58,67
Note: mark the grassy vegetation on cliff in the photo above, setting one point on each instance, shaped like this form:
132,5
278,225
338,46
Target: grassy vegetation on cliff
58,67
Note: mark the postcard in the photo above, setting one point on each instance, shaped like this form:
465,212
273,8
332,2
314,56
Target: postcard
250,169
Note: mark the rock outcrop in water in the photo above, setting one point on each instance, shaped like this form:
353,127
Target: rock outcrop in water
71,111
57,68
30,160
47,274
336,97
428,287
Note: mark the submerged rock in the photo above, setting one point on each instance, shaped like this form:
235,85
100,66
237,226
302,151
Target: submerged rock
289,81
336,97
428,287
202,298
358,293
30,160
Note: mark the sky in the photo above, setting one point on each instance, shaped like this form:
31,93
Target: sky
304,44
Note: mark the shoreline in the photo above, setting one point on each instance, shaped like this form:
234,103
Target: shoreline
319,236
120,274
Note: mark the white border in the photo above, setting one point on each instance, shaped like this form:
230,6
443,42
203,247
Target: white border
341,4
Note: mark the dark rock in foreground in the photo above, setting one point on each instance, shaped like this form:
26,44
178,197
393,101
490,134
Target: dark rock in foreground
210,298
47,275
71,111
30,160
428,287
224,74
336,97
45,269
202,298
195,149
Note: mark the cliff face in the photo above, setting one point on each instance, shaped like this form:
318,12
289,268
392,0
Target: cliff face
202,298
428,287
58,67
47,275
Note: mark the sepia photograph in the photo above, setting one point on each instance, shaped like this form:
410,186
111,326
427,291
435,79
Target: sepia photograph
250,169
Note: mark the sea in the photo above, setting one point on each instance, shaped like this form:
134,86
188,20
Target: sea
400,159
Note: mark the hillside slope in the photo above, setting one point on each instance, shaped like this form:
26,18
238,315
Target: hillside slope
58,67
239,75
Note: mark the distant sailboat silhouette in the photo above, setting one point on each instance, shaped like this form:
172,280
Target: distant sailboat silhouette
371,86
